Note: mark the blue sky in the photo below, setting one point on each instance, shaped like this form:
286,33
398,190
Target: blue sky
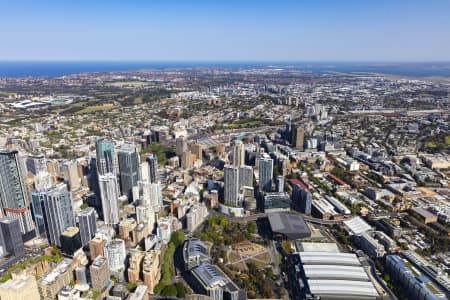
232,30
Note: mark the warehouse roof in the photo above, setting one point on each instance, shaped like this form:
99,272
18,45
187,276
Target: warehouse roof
423,212
329,258
342,288
357,225
293,226
335,272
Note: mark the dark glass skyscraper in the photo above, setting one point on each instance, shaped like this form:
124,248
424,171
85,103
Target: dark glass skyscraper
105,155
153,174
305,201
129,168
11,237
265,173
86,224
13,194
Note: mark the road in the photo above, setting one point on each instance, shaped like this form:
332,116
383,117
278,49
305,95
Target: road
379,280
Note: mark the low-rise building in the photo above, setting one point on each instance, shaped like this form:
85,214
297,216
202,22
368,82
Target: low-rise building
20,286
195,253
212,281
51,283
415,284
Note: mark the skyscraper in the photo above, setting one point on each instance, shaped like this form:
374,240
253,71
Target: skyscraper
265,173
150,194
70,173
181,146
153,174
13,193
297,137
105,155
36,164
99,273
87,225
128,167
231,185
187,160
238,153
280,183
53,212
11,237
235,177
245,176
109,198
305,201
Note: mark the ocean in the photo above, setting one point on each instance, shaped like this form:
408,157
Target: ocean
60,68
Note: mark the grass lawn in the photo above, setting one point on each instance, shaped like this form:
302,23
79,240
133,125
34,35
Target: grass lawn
95,108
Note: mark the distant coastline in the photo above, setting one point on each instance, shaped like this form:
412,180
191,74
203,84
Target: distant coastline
63,68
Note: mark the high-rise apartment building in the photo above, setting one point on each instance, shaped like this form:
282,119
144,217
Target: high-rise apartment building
109,198
297,137
245,176
181,146
187,160
99,273
150,194
235,177
196,216
13,193
265,173
231,185
238,153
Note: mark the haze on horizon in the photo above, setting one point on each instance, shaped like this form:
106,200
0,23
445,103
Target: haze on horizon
233,30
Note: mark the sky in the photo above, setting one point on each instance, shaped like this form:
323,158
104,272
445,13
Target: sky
231,30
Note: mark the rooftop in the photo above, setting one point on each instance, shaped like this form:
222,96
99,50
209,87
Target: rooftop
357,225
288,224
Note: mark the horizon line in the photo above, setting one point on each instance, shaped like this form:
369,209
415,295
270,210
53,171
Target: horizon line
221,61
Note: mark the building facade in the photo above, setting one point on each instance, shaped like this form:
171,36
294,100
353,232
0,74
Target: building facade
129,168
87,225
13,192
265,173
109,198
53,212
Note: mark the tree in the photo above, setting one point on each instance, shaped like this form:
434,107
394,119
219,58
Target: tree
181,290
169,291
177,238
251,228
